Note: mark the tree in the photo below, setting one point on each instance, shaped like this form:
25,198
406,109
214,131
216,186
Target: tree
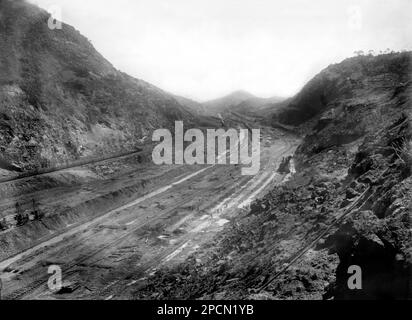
20,217
3,224
37,213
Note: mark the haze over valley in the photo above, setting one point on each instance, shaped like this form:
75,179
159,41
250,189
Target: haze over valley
325,86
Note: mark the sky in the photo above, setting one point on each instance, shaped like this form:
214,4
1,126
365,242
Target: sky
203,49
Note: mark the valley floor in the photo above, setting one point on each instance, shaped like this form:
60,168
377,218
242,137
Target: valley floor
112,230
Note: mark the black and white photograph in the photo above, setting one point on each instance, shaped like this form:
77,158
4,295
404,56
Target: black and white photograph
228,151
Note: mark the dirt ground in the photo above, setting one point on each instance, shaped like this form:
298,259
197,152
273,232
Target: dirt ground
109,226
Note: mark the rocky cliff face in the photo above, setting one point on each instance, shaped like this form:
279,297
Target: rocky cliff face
355,85
366,95
61,100
239,101
358,125
351,195
377,235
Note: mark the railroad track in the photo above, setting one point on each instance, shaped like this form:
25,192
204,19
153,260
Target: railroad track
37,284
147,266
41,281
65,269
80,163
305,249
158,260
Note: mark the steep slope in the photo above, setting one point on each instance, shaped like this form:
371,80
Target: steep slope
358,144
377,234
349,203
228,101
358,82
238,101
257,105
60,99
351,100
194,106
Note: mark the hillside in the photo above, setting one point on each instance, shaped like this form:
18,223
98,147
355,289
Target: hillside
61,100
238,101
196,107
360,96
349,203
358,82
334,189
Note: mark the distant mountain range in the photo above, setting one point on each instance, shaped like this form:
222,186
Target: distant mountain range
239,101
60,99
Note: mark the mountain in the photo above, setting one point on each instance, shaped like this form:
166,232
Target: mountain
359,82
239,101
191,105
61,100
230,100
356,154
256,105
348,202
349,100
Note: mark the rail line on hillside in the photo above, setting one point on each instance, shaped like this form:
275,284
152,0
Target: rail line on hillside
306,248
75,164
37,284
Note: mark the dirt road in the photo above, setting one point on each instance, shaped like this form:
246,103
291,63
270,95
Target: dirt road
112,252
